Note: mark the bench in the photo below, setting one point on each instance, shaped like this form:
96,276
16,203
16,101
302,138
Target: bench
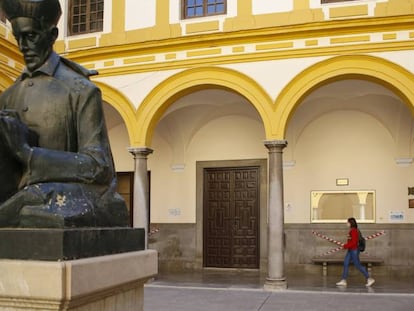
369,261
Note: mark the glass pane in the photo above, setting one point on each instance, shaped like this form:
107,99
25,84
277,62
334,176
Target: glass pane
83,9
220,8
199,11
190,2
199,2
190,12
335,206
211,9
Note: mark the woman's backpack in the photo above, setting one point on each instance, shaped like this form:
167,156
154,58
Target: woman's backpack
361,242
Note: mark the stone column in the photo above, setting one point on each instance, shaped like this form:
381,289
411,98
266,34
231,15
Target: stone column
275,279
141,190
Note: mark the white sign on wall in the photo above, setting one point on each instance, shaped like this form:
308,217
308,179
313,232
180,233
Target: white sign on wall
396,216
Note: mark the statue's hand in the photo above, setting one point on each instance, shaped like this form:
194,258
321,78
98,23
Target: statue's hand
15,134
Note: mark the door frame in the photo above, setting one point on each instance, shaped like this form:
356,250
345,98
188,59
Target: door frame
262,165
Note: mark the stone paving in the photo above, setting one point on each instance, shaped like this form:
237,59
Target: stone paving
168,298
243,291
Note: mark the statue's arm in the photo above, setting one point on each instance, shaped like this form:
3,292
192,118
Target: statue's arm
93,161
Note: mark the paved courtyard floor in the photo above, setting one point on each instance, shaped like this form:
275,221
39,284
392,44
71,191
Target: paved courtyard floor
243,291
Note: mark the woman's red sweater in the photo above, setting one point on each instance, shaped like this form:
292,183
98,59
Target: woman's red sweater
352,239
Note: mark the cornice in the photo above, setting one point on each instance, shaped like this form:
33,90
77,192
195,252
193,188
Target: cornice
260,56
288,32
10,50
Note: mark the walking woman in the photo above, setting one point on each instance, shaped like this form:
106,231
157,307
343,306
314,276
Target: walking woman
353,254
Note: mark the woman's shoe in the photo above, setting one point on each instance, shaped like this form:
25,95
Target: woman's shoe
370,282
342,283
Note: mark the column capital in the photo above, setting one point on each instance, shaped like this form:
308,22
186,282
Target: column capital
140,152
274,145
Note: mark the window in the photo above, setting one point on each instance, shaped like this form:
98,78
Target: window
86,16
199,8
338,206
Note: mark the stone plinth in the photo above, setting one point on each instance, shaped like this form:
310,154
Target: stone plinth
69,244
112,282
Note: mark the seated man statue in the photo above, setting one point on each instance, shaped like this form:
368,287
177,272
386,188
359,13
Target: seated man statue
56,164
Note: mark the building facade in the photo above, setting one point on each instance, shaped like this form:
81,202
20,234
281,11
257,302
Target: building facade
258,121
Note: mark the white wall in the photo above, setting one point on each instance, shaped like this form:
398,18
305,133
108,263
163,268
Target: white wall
347,144
266,6
119,140
173,194
140,14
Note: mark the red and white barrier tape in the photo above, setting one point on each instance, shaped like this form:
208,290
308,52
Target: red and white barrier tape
375,235
322,236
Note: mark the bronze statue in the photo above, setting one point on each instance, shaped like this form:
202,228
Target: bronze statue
56,164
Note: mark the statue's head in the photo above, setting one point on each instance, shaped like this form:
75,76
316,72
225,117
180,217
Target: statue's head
34,27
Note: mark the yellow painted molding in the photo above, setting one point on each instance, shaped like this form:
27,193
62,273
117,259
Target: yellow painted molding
3,30
113,38
394,77
412,35
8,71
394,7
389,36
142,59
4,59
170,56
5,81
203,52
82,43
238,49
312,42
260,56
351,39
9,49
244,8
263,35
109,63
60,46
118,16
348,11
302,16
244,18
89,66
274,46
301,4
19,66
122,104
202,27
168,91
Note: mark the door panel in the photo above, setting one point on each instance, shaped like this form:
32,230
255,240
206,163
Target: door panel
231,217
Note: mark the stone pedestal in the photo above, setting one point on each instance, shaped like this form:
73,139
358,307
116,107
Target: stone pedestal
69,244
112,282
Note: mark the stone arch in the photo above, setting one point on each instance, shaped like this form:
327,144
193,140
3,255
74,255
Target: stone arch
122,104
183,83
375,69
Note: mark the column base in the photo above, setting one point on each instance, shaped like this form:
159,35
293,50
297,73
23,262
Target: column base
106,283
274,285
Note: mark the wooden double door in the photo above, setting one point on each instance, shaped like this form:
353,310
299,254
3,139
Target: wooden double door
231,217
